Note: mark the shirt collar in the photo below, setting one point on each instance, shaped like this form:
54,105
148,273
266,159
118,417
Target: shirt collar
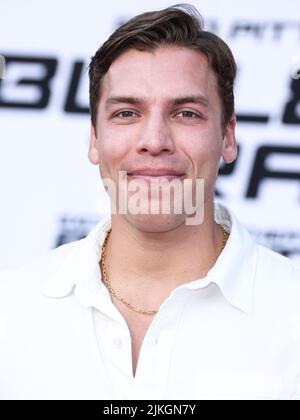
233,271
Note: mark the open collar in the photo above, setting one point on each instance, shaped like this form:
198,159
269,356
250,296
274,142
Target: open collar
233,271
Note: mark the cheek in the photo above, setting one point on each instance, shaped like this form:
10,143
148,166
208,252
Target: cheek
203,150
113,147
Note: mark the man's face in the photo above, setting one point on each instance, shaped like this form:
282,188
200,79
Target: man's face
158,110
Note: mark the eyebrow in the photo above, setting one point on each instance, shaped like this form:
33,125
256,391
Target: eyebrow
196,99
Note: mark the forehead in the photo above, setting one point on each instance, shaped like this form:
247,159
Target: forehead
163,72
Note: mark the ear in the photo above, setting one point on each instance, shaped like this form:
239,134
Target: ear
93,154
229,147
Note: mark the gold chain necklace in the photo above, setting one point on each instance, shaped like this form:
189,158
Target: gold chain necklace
114,294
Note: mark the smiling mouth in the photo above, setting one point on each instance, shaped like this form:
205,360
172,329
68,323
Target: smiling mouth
152,180
166,176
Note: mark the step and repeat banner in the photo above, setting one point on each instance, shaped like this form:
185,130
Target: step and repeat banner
51,194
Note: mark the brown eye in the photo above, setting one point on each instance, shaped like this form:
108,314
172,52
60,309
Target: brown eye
125,114
189,114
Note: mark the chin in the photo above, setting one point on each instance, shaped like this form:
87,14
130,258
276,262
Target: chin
155,223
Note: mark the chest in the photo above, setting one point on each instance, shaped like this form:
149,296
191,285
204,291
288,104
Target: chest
138,325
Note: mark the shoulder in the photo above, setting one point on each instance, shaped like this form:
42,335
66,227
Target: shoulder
27,277
277,266
277,280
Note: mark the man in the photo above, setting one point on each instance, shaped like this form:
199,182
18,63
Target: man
155,305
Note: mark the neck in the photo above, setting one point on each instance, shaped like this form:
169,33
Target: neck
159,262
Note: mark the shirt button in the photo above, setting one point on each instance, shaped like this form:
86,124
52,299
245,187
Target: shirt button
117,342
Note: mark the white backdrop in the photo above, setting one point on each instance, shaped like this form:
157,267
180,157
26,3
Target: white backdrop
49,191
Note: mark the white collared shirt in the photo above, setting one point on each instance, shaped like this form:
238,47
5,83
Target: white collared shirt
234,334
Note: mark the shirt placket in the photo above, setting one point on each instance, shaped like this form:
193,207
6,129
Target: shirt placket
114,341
156,351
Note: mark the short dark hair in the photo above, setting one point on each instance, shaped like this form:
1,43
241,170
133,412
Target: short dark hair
178,25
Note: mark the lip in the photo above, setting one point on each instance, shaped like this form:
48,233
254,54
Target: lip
159,172
158,178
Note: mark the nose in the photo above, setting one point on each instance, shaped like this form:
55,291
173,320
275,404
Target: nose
155,136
